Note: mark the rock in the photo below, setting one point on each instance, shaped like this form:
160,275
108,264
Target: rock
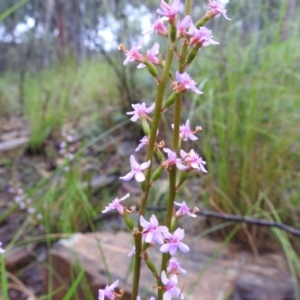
212,272
13,144
16,257
35,278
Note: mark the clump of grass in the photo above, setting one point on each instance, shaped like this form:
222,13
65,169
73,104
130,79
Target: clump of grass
66,93
66,203
250,113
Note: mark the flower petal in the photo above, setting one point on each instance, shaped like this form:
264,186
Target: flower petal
128,176
139,176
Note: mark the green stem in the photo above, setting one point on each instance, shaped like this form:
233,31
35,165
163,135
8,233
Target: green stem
176,145
156,119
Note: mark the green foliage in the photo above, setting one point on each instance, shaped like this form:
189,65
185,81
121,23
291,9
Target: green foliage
3,275
56,96
12,9
249,114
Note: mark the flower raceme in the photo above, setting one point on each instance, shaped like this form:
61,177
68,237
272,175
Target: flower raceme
194,38
140,111
136,170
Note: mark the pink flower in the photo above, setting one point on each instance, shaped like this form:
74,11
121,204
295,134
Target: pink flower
185,82
115,204
152,231
151,55
133,54
169,10
186,133
140,111
174,267
139,298
143,142
171,288
217,8
174,242
1,250
108,291
193,160
184,210
158,26
183,25
201,37
136,170
173,160
132,252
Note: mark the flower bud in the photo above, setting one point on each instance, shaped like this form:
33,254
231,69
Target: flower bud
156,174
129,222
159,155
183,176
191,55
146,127
171,100
151,265
152,69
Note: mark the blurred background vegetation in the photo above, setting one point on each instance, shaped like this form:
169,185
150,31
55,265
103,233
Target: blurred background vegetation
64,89
59,67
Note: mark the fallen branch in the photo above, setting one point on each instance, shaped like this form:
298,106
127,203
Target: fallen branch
223,216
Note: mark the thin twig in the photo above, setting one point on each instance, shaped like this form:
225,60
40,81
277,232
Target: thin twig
223,216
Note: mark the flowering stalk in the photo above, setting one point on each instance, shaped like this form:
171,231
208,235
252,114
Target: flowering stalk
156,119
149,233
176,142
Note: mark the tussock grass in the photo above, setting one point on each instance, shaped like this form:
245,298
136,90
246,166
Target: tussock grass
61,94
250,114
